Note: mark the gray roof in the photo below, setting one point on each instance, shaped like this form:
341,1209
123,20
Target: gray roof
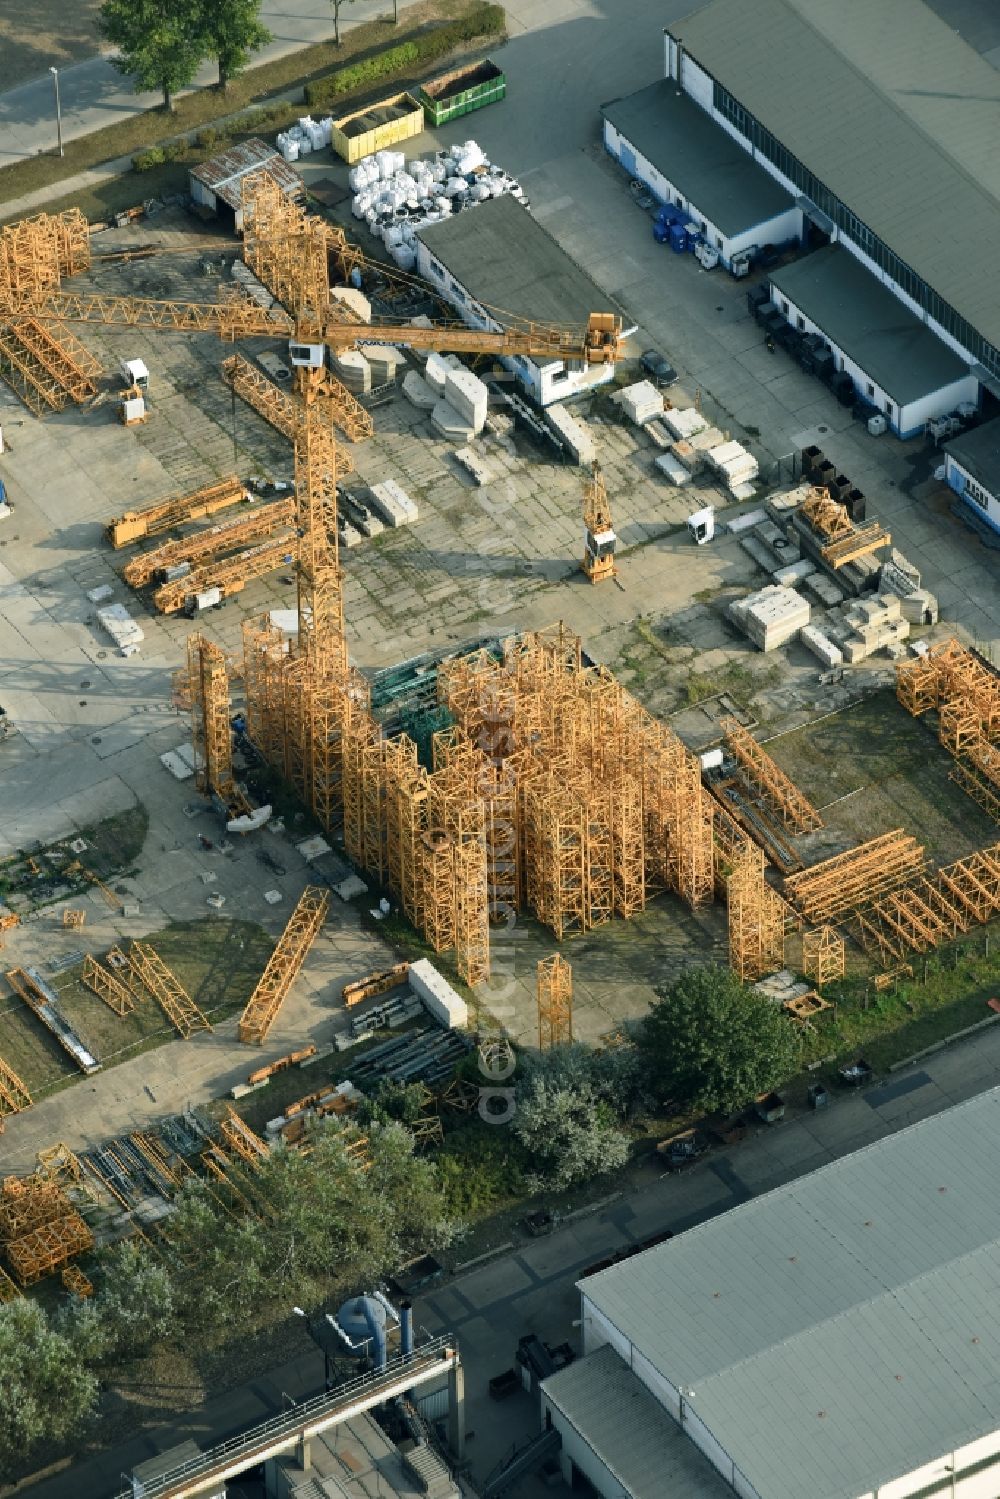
632,1434
506,261
223,174
869,324
702,161
845,1326
978,451
890,109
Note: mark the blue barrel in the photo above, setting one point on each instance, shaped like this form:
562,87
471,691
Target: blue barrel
661,232
678,239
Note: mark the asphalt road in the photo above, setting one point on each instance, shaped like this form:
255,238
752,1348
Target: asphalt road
95,94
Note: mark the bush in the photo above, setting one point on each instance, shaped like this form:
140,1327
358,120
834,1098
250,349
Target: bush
147,160
484,20
175,150
207,138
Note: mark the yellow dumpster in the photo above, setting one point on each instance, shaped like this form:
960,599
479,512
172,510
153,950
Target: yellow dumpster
377,127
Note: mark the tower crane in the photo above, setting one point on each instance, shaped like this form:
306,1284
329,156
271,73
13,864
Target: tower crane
301,693
599,549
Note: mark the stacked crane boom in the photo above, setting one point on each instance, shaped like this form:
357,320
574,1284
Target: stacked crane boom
228,536
176,510
829,890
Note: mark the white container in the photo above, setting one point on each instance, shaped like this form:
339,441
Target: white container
290,150
440,1000
405,257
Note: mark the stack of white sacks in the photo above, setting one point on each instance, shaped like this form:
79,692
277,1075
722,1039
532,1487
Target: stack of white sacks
307,136
395,199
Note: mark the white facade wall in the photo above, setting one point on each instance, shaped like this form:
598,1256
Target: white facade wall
545,383
906,421
971,1472
696,82
980,500
577,1453
777,230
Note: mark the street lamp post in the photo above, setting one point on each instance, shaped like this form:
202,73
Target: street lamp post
55,81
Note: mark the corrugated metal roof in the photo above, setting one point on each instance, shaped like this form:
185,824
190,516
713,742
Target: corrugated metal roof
222,174
889,108
814,1297
506,261
702,161
870,325
978,450
631,1433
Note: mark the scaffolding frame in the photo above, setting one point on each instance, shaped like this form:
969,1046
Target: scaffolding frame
47,1248
554,993
782,797
757,918
824,956
175,1002
284,963
211,729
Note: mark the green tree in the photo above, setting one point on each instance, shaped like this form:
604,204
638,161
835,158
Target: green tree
570,1132
135,1303
232,32
45,1393
337,6
712,1043
161,45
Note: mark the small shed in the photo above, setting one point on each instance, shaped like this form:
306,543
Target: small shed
217,184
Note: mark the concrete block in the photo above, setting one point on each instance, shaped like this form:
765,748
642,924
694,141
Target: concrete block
479,472
684,424
641,402
353,369
821,646
795,572
436,373
393,503
418,392
384,361
469,396
773,616
451,424
573,432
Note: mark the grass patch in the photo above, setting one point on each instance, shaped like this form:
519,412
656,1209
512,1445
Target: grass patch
217,961
432,28
31,879
884,769
948,992
734,677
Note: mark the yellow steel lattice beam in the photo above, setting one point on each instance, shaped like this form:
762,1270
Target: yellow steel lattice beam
284,963
173,999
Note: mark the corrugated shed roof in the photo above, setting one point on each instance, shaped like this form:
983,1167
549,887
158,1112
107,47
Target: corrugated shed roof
222,174
870,325
505,260
702,161
978,450
816,1296
889,108
631,1433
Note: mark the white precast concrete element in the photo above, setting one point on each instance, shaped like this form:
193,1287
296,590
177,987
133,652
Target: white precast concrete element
684,422
771,616
468,395
572,431
393,503
439,999
820,645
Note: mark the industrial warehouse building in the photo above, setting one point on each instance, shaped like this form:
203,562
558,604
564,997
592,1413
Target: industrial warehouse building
664,139
894,359
495,259
880,123
972,468
838,1337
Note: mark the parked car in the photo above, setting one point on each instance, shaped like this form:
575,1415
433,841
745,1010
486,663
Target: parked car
658,368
